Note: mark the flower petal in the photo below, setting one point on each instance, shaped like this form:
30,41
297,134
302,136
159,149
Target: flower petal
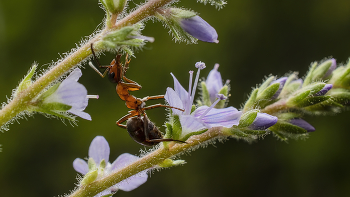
214,83
99,149
191,124
200,29
81,114
181,92
263,121
80,166
133,181
226,117
173,100
75,75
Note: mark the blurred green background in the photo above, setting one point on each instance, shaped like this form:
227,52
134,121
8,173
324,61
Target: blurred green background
256,38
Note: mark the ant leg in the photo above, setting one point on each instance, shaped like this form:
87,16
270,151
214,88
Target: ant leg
130,86
98,63
125,118
160,105
154,97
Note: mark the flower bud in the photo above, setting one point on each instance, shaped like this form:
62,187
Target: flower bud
281,81
263,121
304,92
187,25
324,70
114,6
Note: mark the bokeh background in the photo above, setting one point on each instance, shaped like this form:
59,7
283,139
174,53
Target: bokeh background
257,38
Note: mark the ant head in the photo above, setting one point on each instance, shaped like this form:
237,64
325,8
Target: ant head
138,130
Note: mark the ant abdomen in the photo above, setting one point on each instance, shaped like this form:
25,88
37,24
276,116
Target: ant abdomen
136,129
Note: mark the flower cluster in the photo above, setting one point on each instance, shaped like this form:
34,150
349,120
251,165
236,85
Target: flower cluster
98,166
196,120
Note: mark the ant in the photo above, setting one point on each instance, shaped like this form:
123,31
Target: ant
139,127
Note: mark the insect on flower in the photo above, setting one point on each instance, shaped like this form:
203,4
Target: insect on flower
139,127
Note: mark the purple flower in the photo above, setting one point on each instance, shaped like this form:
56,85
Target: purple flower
302,123
324,90
199,28
203,117
263,121
99,150
214,83
281,81
72,93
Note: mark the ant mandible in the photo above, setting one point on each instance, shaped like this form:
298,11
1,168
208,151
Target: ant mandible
139,127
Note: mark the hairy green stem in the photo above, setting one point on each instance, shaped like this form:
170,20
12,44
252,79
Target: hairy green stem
148,161
21,101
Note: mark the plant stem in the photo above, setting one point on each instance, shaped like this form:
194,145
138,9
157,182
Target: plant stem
146,162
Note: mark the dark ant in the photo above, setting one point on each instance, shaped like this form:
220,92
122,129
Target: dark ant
139,127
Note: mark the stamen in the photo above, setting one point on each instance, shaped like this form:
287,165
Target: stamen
220,97
92,96
200,66
216,66
188,109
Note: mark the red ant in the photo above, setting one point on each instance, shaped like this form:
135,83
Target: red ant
139,127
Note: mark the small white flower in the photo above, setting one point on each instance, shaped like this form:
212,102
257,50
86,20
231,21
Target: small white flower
70,93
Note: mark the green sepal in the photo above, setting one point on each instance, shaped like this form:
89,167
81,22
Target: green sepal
170,163
268,92
342,79
253,132
55,106
102,164
205,94
221,104
92,164
251,100
266,84
238,133
193,108
288,116
289,87
178,13
58,114
89,177
48,92
26,81
313,100
308,78
280,135
171,20
321,70
248,118
108,195
168,131
341,96
176,127
287,127
301,94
